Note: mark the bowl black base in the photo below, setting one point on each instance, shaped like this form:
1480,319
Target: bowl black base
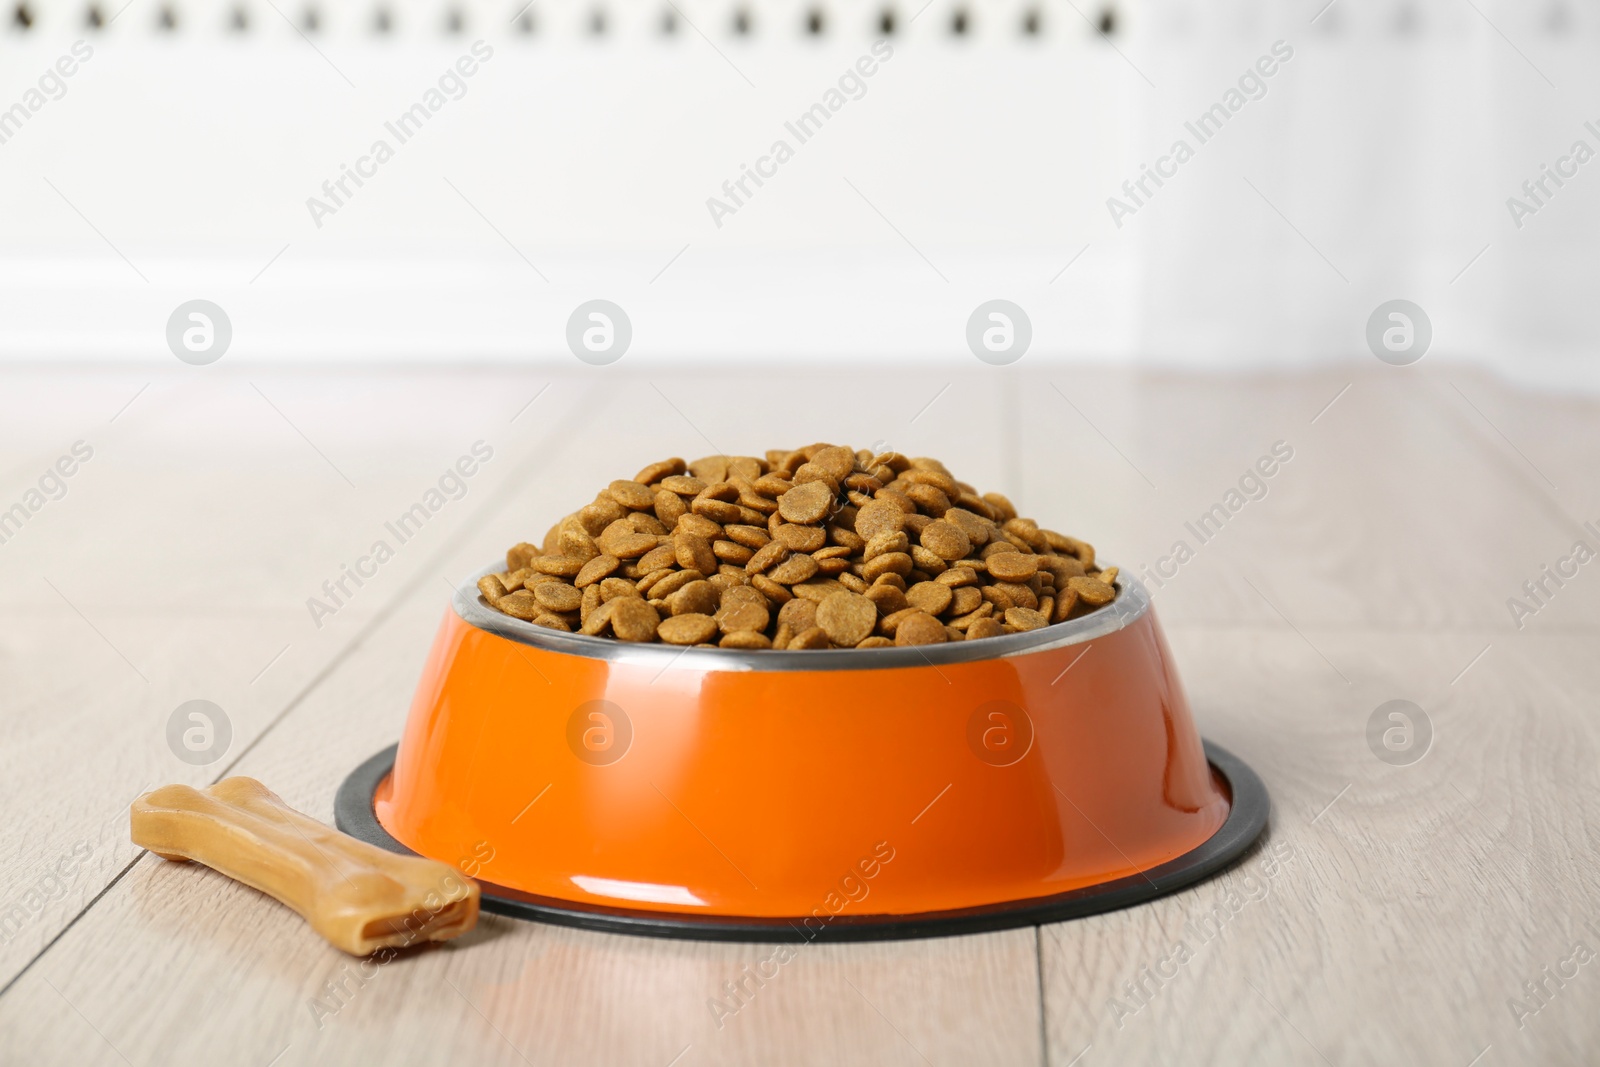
353,814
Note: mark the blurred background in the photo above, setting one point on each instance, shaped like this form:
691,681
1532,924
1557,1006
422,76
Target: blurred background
975,162
269,268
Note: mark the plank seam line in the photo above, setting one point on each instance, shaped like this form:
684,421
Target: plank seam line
1044,1019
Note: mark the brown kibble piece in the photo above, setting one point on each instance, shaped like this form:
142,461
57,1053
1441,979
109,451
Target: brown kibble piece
670,508
742,615
876,642
633,620
837,460
698,525
1025,619
887,624
661,557
687,629
749,536
945,540
767,557
888,563
745,639
847,618
575,541
520,605
775,593
984,628
815,589
699,597
560,566
657,471
600,514
982,611
888,599
927,562
1021,596
798,614
671,583
597,620
1012,566
930,597
612,588
557,596
683,485
801,538
623,541
596,569
1003,508
797,568
719,511
879,517
997,597
815,637
491,587
631,495
974,526
1063,568
520,555
965,599
920,628
694,552
808,503
886,541
1091,591
930,499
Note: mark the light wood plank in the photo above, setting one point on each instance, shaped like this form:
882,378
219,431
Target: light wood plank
177,567
1390,514
1413,901
515,990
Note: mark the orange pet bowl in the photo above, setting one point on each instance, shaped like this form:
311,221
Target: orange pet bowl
851,794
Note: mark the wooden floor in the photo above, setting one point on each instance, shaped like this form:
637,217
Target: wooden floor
1393,915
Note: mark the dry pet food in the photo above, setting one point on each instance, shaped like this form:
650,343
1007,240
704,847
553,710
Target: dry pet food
820,547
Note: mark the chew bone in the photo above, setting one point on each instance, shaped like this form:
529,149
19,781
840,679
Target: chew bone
358,896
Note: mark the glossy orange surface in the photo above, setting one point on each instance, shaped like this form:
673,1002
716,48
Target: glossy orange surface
774,793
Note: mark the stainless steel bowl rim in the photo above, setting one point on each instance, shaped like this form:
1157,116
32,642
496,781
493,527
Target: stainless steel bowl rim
1131,604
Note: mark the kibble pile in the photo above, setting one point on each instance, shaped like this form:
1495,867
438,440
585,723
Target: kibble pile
821,547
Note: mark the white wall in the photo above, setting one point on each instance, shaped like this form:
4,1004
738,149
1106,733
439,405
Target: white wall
178,164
